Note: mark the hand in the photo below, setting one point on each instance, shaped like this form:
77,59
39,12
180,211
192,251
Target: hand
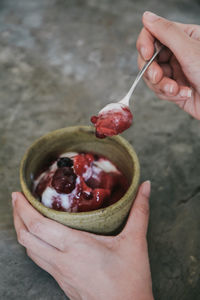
175,76
85,265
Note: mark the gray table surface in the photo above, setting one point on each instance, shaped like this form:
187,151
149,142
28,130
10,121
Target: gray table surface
60,62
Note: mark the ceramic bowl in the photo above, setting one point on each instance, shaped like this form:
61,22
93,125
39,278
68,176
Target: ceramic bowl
82,138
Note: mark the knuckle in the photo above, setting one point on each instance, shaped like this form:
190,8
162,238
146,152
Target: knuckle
21,237
138,44
120,238
34,226
140,62
169,25
114,243
63,244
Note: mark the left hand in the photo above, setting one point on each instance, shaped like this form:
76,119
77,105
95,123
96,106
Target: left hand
85,265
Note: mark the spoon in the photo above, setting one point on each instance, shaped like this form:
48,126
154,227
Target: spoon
116,117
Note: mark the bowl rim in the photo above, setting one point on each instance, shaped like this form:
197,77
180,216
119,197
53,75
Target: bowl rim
88,129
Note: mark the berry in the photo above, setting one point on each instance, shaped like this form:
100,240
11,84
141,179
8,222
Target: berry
82,162
57,204
94,119
64,180
64,162
86,195
99,196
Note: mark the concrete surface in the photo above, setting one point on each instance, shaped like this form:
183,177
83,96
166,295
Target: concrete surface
60,62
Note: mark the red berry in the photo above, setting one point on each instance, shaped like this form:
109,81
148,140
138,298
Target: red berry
94,119
99,196
82,162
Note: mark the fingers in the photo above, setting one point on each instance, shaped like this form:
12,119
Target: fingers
169,83
145,44
159,78
154,73
48,231
164,92
191,30
172,32
139,215
164,56
178,74
30,242
168,86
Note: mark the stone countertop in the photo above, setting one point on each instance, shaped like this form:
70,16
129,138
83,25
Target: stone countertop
61,61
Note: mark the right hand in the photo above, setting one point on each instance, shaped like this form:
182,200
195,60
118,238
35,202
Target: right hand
175,75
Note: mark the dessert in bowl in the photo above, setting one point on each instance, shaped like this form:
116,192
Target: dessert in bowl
78,182
81,181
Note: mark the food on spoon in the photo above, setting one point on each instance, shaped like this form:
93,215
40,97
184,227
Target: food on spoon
113,119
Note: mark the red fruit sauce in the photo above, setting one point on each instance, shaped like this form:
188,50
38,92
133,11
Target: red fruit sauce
85,182
111,122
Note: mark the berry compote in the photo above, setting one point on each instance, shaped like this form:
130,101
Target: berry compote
113,119
78,182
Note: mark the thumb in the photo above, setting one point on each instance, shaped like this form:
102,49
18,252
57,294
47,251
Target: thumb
139,215
168,33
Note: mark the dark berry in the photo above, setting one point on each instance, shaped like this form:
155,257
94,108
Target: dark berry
96,156
64,180
64,162
57,204
87,195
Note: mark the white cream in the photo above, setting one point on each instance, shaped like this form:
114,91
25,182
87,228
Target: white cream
50,195
69,154
47,197
106,165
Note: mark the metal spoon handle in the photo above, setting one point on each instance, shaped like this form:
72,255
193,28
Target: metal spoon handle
125,100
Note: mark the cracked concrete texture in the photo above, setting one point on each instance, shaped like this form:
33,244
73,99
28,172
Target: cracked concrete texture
60,62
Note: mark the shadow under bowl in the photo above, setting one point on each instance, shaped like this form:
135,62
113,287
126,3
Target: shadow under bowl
82,139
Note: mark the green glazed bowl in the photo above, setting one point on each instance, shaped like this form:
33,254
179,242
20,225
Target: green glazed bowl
82,138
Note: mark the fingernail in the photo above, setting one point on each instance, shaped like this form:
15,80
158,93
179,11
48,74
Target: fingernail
169,88
186,93
150,17
143,51
146,188
14,198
